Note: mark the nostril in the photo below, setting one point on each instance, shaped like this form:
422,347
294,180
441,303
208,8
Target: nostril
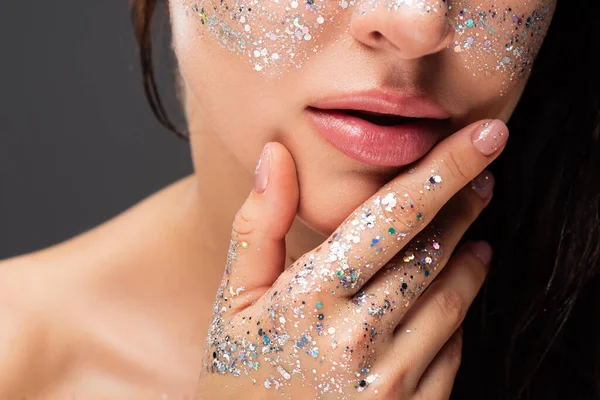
376,36
409,31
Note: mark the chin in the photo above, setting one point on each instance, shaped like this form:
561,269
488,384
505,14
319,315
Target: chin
326,200
320,221
332,185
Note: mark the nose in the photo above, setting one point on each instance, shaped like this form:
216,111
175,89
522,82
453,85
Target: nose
409,28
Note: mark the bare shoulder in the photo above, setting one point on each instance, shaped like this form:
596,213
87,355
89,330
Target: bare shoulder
42,308
37,349
22,334
97,314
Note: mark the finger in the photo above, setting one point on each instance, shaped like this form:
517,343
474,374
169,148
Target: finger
439,312
438,380
257,250
382,226
397,286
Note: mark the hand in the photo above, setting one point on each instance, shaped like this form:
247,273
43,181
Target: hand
344,321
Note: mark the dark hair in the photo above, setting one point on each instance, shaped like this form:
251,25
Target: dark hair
142,12
533,332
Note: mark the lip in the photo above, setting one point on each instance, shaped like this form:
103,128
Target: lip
373,144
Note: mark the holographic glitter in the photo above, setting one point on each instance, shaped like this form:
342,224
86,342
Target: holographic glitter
298,322
266,32
283,32
491,37
318,329
501,38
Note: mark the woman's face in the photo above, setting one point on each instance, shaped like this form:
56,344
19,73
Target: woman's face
255,69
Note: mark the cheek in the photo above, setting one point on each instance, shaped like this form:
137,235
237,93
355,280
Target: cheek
270,35
496,39
226,99
499,40
217,99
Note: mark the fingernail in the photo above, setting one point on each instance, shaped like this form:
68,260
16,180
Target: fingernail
261,173
490,136
483,184
482,250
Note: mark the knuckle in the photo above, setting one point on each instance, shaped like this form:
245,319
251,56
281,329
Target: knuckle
242,223
392,391
451,305
364,337
401,376
373,316
457,168
404,212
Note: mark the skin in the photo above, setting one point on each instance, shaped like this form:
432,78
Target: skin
327,326
352,63
122,311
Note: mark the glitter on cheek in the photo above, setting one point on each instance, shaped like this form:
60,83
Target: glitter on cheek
267,33
491,37
283,33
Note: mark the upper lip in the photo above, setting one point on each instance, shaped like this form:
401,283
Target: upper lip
384,102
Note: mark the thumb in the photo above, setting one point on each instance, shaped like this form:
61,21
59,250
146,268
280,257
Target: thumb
257,254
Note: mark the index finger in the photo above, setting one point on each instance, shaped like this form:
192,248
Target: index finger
381,226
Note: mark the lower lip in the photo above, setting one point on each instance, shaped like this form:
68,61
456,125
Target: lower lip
377,145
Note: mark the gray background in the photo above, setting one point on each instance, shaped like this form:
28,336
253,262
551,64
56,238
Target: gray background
78,143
